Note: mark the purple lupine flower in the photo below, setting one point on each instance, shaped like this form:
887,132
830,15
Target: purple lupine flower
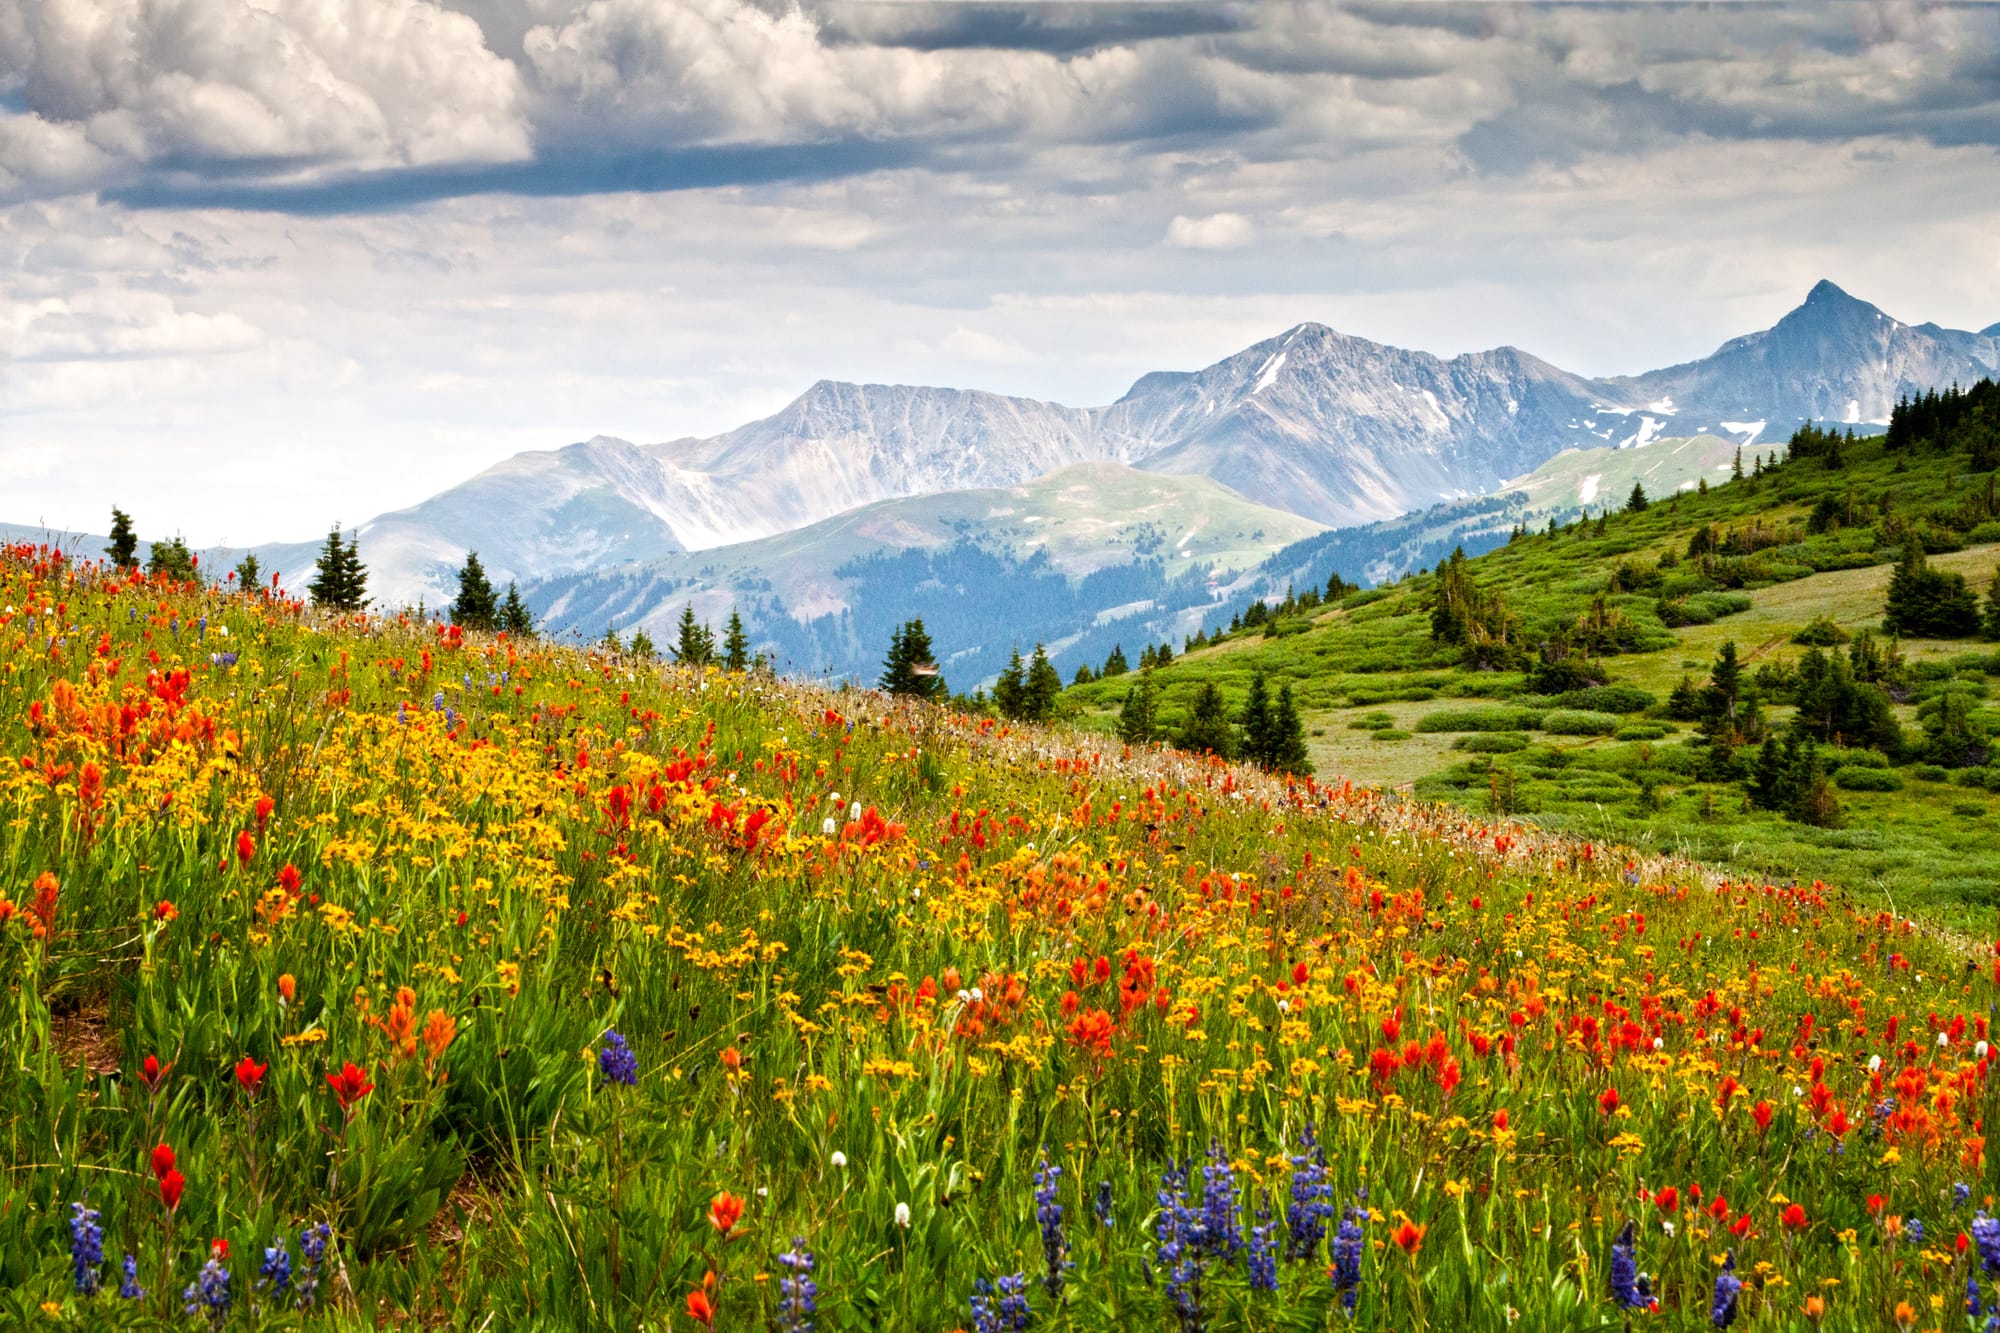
1972,1306
209,1292
798,1294
129,1288
1347,1259
1179,1250
1961,1193
616,1061
1101,1206
1986,1235
1914,1228
1311,1203
1262,1258
1222,1234
1012,1308
1049,1213
312,1247
86,1247
276,1270
1722,1309
1625,1270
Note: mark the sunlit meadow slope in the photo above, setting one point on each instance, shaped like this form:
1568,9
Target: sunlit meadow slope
356,972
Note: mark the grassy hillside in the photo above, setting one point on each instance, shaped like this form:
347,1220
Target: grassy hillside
1381,695
360,975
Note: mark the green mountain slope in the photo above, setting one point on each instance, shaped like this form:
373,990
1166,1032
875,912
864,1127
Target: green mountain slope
1387,703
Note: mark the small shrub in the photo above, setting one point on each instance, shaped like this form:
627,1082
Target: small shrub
1866,779
1372,722
1579,722
1931,773
1609,699
1490,717
1640,731
1491,742
1391,734
1821,632
1968,810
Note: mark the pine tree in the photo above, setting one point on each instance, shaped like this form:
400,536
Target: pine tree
476,607
642,646
1288,736
340,580
124,548
1636,502
611,643
1010,688
693,644
1163,655
910,669
1207,730
514,615
1736,468
736,644
1990,617
1257,737
249,574
171,559
1042,687
1136,720
1082,676
1115,665
1929,603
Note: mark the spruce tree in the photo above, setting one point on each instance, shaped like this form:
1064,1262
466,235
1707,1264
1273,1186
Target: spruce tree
340,580
1990,616
736,644
476,607
642,646
124,548
171,559
1115,665
693,644
1207,730
1636,502
1736,468
514,615
1257,747
1288,736
1136,720
1041,688
249,574
1010,688
911,669
1082,676
1929,603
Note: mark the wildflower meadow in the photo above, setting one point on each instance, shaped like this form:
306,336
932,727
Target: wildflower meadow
359,972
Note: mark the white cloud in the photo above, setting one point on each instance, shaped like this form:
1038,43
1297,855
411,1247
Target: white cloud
1217,231
295,87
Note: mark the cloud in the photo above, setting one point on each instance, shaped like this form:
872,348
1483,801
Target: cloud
109,91
1217,231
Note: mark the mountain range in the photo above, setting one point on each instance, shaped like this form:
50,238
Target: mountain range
1320,428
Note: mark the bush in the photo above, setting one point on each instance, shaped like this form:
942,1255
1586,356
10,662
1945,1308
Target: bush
1491,742
1391,734
1609,699
1931,773
1703,608
1853,778
1489,717
1579,722
1641,731
1821,632
1372,722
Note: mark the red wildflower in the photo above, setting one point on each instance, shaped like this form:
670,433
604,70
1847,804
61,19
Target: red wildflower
163,1161
1794,1218
152,1073
724,1212
171,1185
350,1085
250,1074
1410,1237
246,847
1608,1102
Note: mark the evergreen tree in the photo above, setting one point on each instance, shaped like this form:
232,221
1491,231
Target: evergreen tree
736,644
1736,468
1164,655
1257,737
642,646
1288,736
910,670
1207,730
171,559
1990,615
514,615
1114,665
611,643
1043,685
476,607
1137,719
1929,603
1636,502
340,580
693,644
249,574
1082,676
1010,688
124,548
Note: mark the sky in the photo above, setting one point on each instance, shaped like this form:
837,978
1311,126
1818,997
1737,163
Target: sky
270,264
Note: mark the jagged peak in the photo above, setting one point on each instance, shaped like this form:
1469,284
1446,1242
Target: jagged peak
1825,291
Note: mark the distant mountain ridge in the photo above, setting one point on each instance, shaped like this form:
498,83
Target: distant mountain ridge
1334,428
